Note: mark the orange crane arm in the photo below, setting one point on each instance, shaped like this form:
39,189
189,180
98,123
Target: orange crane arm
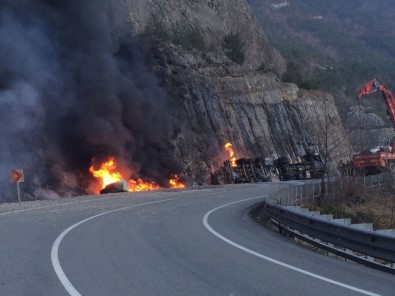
373,86
367,88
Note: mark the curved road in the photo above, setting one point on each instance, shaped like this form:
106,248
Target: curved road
188,242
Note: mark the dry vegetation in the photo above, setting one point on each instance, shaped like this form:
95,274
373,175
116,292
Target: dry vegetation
362,201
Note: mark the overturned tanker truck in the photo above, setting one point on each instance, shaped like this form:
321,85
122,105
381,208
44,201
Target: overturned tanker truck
309,166
244,170
250,170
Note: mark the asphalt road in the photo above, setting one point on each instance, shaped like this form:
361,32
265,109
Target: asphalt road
187,242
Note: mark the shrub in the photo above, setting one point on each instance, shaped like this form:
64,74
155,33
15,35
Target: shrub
294,75
156,29
191,38
336,210
309,85
233,48
263,68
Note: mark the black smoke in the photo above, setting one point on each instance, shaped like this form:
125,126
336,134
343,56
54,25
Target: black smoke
75,85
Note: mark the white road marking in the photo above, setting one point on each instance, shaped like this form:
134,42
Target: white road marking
96,199
56,205
55,247
228,241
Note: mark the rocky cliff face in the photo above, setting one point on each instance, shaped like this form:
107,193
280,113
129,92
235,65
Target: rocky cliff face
214,19
214,100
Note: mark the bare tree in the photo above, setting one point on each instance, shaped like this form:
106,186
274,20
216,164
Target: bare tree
332,142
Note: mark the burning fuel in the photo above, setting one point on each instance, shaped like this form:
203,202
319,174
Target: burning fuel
232,156
176,183
108,174
141,185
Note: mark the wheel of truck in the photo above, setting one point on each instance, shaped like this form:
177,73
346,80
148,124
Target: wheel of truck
289,176
282,161
391,166
241,161
318,174
259,161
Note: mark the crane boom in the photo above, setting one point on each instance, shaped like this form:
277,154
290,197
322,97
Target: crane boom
381,158
374,86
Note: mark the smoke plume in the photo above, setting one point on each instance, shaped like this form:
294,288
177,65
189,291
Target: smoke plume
74,86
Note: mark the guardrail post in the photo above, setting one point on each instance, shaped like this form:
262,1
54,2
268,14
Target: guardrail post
334,192
319,189
313,192
326,189
379,182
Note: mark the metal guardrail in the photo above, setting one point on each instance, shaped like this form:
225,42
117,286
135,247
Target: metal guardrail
356,242
377,245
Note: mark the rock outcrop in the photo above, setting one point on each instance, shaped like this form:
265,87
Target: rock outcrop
214,19
366,130
215,100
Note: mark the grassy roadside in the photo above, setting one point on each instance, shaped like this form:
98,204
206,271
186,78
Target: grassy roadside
361,205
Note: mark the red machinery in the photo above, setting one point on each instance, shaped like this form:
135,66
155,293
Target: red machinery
376,160
373,86
381,158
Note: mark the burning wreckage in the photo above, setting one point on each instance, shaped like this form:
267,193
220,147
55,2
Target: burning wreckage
250,170
111,180
243,170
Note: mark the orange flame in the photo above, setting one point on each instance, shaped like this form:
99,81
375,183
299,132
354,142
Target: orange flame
141,185
232,157
176,183
107,174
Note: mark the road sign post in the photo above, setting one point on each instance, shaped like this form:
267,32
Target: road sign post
19,192
17,176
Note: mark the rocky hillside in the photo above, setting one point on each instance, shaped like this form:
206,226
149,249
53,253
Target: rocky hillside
147,89
344,43
213,19
337,46
215,99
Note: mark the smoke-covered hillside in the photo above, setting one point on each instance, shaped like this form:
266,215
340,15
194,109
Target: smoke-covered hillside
159,85
75,90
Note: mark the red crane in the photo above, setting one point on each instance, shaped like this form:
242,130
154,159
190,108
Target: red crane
373,86
381,158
